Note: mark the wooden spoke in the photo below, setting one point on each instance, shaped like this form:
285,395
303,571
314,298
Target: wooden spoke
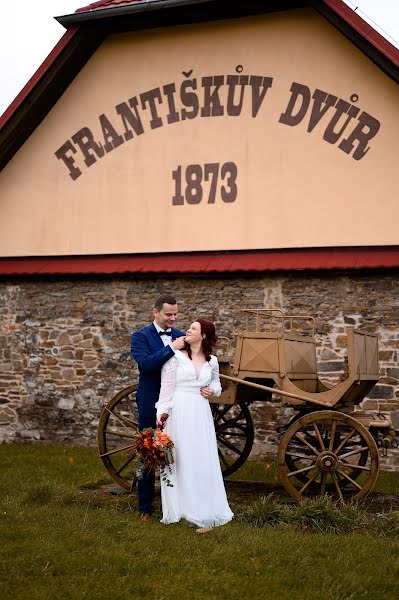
127,422
126,464
332,436
241,433
220,412
353,482
322,446
119,420
309,481
234,434
312,448
119,434
222,458
228,444
354,452
323,484
116,450
336,483
131,402
298,448
345,441
297,455
353,466
304,470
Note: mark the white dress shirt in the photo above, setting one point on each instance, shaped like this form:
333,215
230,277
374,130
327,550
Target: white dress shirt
167,340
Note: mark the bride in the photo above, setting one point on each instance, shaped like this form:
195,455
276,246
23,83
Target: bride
187,381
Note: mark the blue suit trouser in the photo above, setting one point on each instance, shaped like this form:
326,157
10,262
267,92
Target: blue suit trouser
146,486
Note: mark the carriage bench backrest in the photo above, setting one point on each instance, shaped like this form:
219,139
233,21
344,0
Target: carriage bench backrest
263,354
299,357
362,355
271,346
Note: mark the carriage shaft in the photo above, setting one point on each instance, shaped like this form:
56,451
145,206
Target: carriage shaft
275,390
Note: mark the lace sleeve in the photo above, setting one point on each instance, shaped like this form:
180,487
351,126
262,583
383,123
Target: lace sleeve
215,380
168,384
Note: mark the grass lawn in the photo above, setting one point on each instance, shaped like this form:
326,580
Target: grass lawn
63,537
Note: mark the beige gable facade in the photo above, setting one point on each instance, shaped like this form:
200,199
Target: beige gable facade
255,133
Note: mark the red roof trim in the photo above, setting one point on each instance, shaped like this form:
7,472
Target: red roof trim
34,80
107,4
365,29
207,262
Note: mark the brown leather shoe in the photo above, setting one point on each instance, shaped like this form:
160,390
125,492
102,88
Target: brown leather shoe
145,516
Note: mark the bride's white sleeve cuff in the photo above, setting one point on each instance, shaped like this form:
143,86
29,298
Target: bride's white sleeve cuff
168,384
215,381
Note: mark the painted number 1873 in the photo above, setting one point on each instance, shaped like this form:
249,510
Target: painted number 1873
195,183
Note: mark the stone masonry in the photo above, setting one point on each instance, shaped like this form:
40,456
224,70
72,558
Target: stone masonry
64,342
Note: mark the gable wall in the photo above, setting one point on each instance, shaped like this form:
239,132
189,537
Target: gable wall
294,187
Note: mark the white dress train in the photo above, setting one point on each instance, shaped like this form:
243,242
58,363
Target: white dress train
198,494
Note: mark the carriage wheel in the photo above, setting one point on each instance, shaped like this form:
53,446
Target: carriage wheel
328,453
118,424
235,435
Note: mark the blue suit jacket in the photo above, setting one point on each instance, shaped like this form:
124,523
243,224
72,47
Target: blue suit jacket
149,352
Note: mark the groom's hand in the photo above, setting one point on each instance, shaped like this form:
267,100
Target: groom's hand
178,343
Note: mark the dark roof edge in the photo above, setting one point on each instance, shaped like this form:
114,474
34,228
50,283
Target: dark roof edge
338,7
45,88
84,16
364,32
246,261
33,81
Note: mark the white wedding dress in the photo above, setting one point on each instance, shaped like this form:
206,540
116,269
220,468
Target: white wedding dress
198,493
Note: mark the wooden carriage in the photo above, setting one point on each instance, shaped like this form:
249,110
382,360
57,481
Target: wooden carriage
329,446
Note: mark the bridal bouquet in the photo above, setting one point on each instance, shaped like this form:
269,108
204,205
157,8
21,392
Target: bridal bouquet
153,449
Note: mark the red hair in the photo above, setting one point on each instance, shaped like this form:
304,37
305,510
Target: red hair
210,339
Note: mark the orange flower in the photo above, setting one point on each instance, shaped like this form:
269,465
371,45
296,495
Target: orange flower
161,438
147,443
153,449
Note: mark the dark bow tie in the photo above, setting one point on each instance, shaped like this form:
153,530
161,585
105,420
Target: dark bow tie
164,332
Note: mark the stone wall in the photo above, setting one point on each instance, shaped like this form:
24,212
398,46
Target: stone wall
64,342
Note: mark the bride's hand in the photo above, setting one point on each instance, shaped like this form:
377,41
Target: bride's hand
161,420
207,391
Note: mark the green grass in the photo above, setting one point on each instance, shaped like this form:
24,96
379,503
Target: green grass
257,470
64,536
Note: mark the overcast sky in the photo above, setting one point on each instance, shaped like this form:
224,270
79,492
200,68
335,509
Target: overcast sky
28,33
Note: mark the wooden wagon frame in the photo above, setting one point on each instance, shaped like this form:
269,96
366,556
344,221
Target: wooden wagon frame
329,446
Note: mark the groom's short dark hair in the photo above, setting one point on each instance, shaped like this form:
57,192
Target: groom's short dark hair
164,299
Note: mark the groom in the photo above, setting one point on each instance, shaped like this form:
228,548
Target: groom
151,347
